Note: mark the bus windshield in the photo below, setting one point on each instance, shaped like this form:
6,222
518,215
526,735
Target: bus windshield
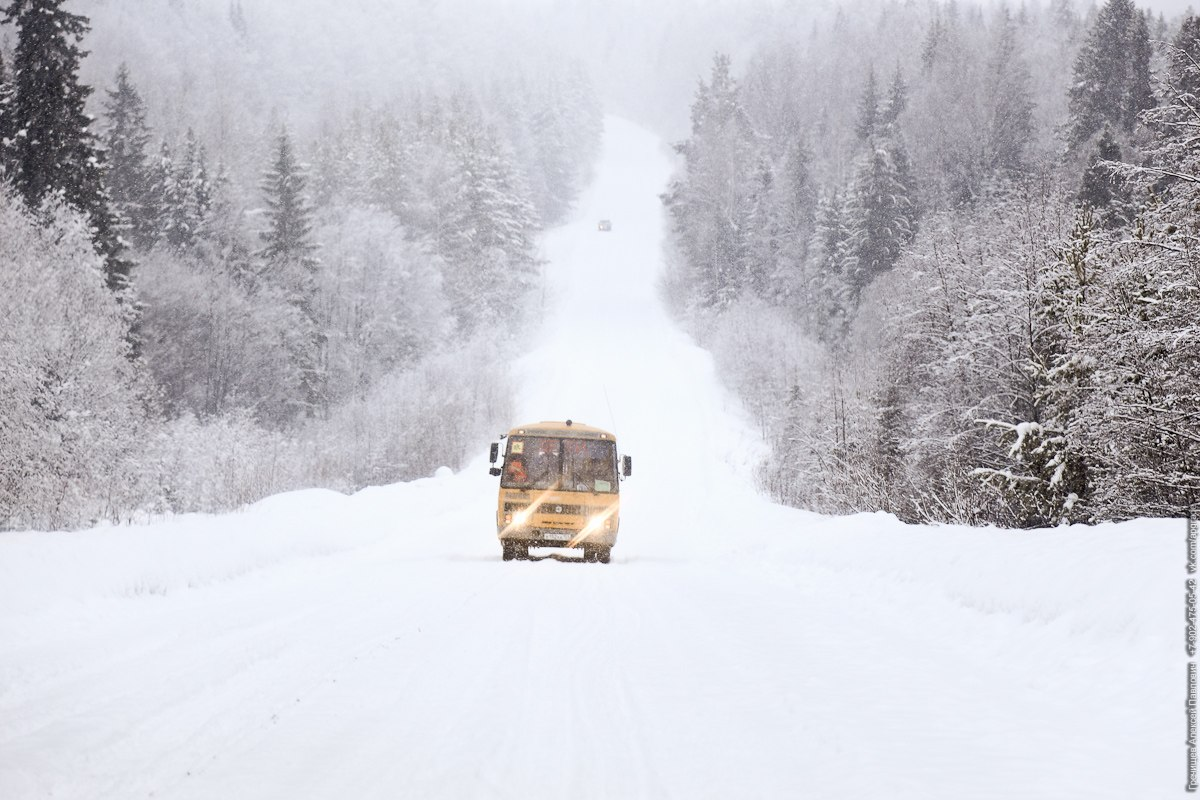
548,462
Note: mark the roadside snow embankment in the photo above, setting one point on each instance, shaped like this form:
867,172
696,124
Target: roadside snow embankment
1104,580
39,570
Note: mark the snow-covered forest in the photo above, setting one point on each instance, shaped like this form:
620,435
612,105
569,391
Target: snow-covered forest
942,251
312,277
947,254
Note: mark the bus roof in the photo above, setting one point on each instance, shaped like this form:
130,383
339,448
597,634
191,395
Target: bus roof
569,430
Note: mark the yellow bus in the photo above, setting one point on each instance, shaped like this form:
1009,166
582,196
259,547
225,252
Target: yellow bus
559,487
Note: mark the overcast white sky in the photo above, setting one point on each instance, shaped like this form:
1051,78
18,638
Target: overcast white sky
1169,7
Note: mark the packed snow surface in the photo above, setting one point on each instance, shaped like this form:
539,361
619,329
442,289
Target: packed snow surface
375,646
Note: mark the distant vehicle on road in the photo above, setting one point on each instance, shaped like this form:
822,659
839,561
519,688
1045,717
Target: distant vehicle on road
559,487
604,225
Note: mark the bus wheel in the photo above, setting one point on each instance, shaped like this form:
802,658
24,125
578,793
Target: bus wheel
590,555
509,551
605,555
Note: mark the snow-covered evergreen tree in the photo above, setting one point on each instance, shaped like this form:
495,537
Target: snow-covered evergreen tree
290,266
883,215
1182,56
708,204
1112,73
186,199
795,211
1010,102
835,261
54,149
1100,188
868,108
287,237
552,152
1141,419
226,240
1023,325
763,232
164,194
486,236
128,175
897,101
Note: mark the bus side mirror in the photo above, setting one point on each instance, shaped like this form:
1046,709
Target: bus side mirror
627,466
494,454
494,471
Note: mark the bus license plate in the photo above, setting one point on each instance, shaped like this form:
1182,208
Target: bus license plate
557,537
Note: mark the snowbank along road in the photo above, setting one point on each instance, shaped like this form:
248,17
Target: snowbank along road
375,646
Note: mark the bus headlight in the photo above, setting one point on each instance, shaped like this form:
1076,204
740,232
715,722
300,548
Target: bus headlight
521,518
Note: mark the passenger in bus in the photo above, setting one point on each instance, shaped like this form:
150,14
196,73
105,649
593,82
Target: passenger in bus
515,469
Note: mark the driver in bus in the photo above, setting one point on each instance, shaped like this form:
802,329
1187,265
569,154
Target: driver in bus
516,470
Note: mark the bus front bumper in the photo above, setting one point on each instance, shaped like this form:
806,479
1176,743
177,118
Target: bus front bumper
557,537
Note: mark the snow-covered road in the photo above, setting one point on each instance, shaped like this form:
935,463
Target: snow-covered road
375,646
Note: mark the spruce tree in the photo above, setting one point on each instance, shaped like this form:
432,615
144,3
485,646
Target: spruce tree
836,259
1176,120
289,217
1184,61
290,267
797,207
929,48
1062,373
707,204
487,232
883,214
1141,340
129,177
199,186
1030,309
54,149
163,195
1010,102
760,223
225,237
1141,93
187,199
868,108
1102,189
897,100
1112,73
329,176
552,154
